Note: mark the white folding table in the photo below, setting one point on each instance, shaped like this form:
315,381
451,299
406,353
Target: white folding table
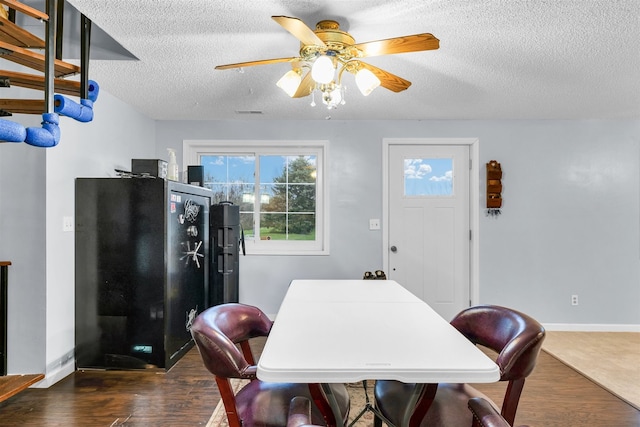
341,331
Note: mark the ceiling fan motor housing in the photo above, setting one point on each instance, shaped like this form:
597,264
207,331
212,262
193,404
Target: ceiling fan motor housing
335,40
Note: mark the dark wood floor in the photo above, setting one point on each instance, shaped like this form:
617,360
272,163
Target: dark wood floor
554,395
184,396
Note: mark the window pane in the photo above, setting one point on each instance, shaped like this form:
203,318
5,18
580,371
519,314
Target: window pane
282,226
302,198
272,167
302,226
270,201
230,177
287,186
247,198
302,169
219,192
273,226
428,177
246,221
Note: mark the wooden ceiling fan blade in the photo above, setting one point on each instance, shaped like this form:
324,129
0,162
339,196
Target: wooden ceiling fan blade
387,80
299,30
414,43
260,62
307,85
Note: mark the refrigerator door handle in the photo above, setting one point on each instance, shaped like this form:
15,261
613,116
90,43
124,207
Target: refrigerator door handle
242,240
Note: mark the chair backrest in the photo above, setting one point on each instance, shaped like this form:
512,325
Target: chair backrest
217,331
515,336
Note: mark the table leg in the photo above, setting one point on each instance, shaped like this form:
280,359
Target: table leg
419,403
325,400
333,402
369,407
423,404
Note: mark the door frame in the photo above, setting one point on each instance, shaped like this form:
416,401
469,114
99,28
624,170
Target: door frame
474,202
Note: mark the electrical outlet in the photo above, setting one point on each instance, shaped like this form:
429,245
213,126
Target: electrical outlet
574,299
67,223
374,224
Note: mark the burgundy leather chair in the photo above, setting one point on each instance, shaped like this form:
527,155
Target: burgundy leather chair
299,412
516,337
485,415
222,335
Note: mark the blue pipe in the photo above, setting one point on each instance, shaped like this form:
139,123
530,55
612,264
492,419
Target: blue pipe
46,136
12,131
82,112
49,134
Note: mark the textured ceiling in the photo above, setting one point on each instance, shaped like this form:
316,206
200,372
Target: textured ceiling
516,59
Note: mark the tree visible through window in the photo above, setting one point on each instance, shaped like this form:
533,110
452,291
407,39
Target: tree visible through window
290,201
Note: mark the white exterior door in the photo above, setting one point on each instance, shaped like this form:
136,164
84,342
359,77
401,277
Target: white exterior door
429,223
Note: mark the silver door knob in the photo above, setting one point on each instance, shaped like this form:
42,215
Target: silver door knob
394,249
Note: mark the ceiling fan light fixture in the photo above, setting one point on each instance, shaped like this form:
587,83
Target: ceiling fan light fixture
327,52
366,81
332,97
290,82
323,70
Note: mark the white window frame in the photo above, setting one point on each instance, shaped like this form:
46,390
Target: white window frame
194,150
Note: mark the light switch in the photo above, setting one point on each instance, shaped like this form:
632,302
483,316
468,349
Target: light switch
374,224
67,223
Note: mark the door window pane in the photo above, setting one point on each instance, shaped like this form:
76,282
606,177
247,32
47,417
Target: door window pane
428,177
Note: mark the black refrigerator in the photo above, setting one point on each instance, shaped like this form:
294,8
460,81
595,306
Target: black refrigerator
142,270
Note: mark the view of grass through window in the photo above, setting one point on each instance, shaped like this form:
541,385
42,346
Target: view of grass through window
276,193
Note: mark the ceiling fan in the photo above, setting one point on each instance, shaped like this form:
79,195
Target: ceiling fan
326,52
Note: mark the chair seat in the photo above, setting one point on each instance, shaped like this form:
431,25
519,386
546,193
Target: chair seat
450,406
450,403
265,404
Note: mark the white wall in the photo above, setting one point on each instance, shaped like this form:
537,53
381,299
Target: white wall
570,222
37,186
22,238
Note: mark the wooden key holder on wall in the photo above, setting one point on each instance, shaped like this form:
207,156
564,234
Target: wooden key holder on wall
494,188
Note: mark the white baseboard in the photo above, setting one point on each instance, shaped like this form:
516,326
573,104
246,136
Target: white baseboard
591,327
53,377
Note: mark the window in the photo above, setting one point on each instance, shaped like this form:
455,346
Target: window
279,186
428,177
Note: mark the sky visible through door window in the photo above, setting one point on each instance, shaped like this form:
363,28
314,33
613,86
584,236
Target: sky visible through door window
428,177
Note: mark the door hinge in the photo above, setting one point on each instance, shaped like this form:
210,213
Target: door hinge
470,236
470,164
